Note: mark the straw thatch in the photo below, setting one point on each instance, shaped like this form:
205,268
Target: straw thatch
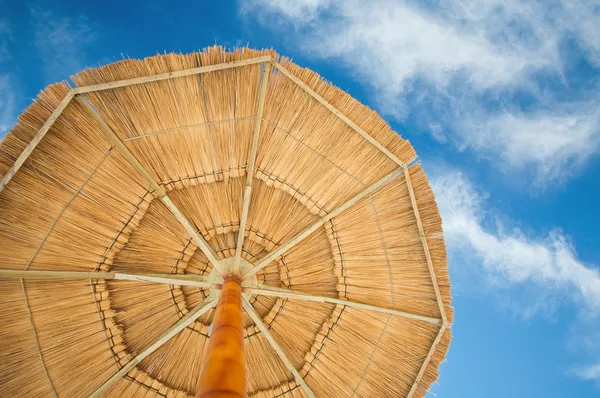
153,178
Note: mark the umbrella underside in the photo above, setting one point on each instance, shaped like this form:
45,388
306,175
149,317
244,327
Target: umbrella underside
146,174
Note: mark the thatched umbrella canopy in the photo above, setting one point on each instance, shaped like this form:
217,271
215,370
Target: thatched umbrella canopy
122,202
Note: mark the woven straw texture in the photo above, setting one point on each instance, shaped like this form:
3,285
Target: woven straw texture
78,204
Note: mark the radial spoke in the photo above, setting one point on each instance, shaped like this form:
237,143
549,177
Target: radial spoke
169,279
190,317
306,233
266,290
250,169
286,361
116,141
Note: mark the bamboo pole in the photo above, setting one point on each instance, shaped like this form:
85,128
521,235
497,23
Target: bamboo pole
223,369
182,280
272,291
436,288
306,233
171,75
277,348
191,316
437,340
250,169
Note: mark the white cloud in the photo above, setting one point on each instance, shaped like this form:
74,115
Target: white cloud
529,274
549,265
588,373
62,42
555,144
441,61
303,10
393,42
583,23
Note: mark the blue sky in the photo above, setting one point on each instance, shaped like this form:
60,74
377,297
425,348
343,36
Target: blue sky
500,99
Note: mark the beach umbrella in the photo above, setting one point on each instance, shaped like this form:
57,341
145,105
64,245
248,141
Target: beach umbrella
216,224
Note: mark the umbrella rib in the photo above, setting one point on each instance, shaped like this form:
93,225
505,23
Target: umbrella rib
182,280
307,232
190,317
415,207
272,291
116,141
432,350
36,140
65,207
36,339
276,347
250,168
338,113
171,75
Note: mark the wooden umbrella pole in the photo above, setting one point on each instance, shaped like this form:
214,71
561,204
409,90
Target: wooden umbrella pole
223,369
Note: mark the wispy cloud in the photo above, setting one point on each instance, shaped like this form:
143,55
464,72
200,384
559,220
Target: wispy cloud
548,264
463,63
589,372
530,274
62,42
556,144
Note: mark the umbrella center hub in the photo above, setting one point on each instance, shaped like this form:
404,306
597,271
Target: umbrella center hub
227,265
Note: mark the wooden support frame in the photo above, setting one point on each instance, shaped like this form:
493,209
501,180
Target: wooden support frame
36,140
111,85
168,279
336,112
190,317
306,233
436,287
250,168
415,207
423,238
172,75
208,251
276,347
272,291
437,340
158,191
